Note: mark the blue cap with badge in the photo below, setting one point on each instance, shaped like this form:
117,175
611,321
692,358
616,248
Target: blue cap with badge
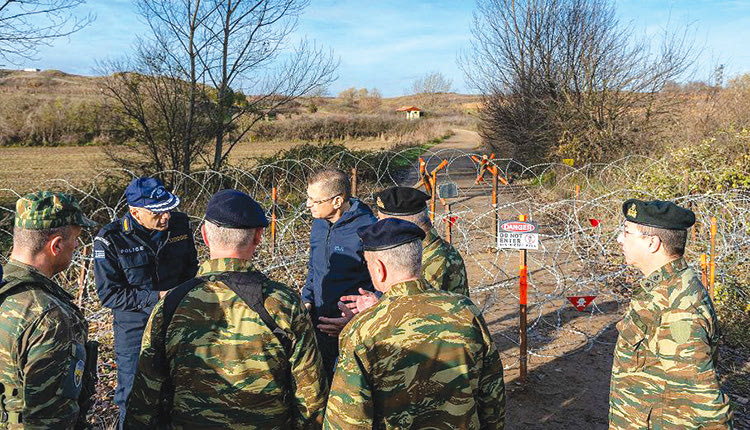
235,209
389,233
149,193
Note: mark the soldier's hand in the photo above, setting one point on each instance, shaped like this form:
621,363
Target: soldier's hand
308,305
162,294
333,326
358,303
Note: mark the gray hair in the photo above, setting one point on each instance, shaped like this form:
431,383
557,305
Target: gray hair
333,182
406,258
33,240
421,219
235,238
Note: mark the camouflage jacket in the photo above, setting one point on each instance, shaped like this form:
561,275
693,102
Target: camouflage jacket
419,358
663,371
442,265
42,355
226,367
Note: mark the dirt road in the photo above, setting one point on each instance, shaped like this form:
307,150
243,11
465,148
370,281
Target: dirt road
568,380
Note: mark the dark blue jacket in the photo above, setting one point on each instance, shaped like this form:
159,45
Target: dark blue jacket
337,266
132,264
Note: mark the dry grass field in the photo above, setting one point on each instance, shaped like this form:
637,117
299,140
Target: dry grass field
24,169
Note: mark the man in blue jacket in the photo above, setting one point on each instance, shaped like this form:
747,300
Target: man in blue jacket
136,260
337,266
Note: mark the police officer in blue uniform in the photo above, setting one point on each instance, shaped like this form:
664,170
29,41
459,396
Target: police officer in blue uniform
136,260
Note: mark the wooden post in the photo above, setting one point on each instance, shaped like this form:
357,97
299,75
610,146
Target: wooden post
449,223
274,194
495,213
82,276
712,264
354,181
522,301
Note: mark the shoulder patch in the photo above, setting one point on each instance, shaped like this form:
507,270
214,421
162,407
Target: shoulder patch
680,330
99,254
102,240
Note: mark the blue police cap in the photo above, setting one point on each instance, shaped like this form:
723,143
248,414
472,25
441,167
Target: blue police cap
389,233
149,193
235,209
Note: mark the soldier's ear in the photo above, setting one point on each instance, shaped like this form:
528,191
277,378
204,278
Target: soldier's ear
258,236
55,245
381,271
203,235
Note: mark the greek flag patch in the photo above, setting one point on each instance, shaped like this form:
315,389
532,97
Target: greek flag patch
99,254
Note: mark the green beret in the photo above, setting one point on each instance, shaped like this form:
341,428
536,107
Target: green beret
657,213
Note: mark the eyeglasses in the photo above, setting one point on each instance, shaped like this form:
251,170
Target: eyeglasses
317,202
624,232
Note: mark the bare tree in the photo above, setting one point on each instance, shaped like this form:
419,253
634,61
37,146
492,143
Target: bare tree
566,78
158,120
428,87
432,82
25,25
238,47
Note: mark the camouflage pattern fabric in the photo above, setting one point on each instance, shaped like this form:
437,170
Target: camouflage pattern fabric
42,355
419,358
227,369
663,371
442,265
45,209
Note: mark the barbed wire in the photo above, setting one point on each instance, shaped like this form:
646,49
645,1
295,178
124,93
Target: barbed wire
578,253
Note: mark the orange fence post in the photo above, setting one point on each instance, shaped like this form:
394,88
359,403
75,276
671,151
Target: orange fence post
495,213
433,197
522,300
273,220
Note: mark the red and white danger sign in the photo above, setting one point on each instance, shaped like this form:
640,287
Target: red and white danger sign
581,302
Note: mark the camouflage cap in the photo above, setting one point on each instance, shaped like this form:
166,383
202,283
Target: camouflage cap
47,209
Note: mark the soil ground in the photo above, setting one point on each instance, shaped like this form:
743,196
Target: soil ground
569,372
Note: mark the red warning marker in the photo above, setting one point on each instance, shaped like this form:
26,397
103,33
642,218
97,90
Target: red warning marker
453,220
594,222
581,302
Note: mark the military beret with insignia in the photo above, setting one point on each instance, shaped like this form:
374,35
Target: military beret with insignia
47,209
235,209
389,233
659,214
401,201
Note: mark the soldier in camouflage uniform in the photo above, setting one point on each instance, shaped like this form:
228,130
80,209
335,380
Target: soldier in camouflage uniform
227,361
419,358
44,378
442,265
663,374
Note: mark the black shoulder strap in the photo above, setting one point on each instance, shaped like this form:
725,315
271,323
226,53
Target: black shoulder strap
171,302
249,287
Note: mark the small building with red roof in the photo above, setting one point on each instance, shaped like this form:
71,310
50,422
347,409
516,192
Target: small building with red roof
412,112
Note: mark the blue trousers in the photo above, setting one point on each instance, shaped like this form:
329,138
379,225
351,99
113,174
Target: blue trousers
127,363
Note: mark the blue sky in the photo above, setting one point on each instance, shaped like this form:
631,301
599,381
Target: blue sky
387,44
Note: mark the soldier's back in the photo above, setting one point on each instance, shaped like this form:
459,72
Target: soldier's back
228,368
423,354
